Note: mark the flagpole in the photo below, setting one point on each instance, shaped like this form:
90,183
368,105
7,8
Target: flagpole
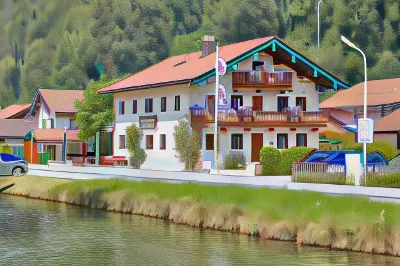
216,107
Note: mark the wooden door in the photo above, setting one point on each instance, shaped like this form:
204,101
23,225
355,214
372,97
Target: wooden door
211,104
256,145
257,103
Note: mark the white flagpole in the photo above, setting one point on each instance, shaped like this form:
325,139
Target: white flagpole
216,107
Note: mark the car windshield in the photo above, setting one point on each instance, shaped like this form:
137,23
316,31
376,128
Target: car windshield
9,158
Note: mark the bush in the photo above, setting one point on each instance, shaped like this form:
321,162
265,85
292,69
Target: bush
137,155
270,158
234,160
290,156
384,147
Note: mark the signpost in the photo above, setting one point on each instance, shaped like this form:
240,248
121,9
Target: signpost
365,130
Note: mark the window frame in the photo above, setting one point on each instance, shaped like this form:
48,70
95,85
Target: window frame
286,144
304,102
240,147
134,106
148,105
122,137
239,97
163,99
177,106
149,142
121,107
163,140
209,147
305,139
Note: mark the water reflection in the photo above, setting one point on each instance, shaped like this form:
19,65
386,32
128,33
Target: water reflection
35,232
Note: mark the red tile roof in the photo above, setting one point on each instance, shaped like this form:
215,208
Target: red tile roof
61,101
380,92
391,122
16,128
13,110
55,135
183,68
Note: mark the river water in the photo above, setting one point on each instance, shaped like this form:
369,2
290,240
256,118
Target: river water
34,232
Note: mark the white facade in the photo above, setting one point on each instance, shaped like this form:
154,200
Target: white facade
59,121
196,94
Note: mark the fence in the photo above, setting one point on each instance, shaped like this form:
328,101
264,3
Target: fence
322,173
379,175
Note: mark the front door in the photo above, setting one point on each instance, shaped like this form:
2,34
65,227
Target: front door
256,145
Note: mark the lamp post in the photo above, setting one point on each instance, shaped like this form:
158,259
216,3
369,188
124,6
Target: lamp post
352,45
319,3
216,107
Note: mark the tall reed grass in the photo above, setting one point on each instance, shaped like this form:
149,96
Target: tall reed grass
310,218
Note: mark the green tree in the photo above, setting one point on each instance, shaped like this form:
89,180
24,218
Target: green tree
137,155
388,66
187,145
95,110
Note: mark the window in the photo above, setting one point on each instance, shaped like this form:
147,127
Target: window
211,104
163,104
162,141
51,123
148,105
121,107
236,101
44,123
282,141
134,107
301,140
257,103
302,102
41,148
283,102
237,141
209,142
177,103
122,142
149,142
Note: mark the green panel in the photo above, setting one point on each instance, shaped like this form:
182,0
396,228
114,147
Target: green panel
43,158
43,123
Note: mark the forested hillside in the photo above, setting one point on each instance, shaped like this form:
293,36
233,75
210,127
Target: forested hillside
65,43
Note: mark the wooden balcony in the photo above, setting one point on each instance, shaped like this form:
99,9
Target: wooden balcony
247,117
262,79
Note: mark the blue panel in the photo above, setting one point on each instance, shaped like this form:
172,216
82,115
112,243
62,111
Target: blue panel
255,57
293,59
273,47
315,73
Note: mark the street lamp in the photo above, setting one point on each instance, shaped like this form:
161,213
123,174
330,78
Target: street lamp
216,106
352,45
319,2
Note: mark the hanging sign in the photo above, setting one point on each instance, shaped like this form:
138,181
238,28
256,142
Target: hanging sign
222,97
221,66
365,130
147,122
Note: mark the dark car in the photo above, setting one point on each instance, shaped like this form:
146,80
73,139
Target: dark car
12,165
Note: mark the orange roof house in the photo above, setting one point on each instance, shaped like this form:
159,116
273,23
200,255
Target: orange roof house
193,67
388,128
15,111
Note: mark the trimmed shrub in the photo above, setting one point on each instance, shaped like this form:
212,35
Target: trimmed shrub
290,156
234,160
270,158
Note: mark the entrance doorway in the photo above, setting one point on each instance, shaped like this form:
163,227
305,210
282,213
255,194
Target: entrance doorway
256,146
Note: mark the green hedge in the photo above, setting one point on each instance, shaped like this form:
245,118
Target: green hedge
384,147
383,180
234,160
290,156
270,158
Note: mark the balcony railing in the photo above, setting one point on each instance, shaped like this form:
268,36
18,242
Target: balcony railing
246,115
262,78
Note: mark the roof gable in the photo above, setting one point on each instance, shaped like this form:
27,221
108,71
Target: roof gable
390,122
192,68
14,110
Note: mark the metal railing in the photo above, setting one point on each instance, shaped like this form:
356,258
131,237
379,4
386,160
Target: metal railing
321,173
262,78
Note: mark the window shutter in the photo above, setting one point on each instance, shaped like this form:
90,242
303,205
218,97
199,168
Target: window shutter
44,121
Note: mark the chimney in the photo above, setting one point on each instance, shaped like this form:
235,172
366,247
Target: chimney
209,45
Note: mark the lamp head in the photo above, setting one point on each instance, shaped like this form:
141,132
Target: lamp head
346,41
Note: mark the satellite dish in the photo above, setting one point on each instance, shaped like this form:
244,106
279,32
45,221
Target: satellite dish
351,128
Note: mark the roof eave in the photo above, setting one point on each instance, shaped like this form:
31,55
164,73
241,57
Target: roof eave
143,87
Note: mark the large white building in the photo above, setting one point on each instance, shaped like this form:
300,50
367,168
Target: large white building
269,97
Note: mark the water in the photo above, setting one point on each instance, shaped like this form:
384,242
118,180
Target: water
34,232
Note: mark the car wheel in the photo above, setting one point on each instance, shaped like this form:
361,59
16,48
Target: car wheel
17,171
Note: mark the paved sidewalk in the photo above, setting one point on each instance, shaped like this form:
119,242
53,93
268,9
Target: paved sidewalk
73,172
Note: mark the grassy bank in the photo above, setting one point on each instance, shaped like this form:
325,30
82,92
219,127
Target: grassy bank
309,218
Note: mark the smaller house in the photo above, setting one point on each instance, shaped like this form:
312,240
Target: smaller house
388,128
15,111
12,132
54,113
